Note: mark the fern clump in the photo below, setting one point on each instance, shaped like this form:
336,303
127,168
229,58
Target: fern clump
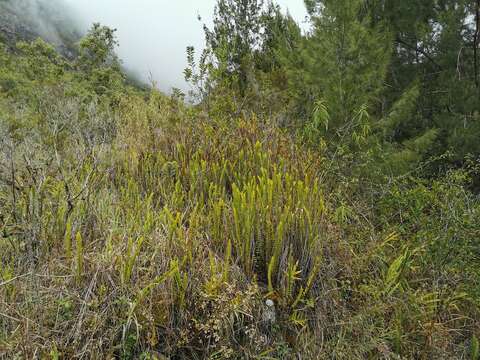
133,225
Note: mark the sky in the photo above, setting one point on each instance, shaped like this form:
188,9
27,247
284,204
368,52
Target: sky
154,34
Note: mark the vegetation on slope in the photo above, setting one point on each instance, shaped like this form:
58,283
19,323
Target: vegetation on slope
135,226
52,20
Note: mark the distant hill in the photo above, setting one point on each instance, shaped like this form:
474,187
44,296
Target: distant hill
26,20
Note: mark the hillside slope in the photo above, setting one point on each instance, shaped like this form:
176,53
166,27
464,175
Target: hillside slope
26,20
133,226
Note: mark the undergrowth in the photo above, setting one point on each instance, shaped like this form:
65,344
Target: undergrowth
133,226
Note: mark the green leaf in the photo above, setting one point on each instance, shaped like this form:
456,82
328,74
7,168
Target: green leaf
475,348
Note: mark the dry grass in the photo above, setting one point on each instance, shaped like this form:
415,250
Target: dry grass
166,237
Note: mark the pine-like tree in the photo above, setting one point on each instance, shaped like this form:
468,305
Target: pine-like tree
343,64
235,35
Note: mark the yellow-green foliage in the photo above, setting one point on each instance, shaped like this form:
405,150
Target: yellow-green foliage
184,225
68,239
79,261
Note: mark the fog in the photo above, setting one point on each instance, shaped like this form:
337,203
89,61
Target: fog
53,20
154,34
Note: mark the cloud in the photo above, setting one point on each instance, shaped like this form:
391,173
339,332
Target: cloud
52,19
154,34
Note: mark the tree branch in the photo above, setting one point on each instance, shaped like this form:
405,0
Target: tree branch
416,48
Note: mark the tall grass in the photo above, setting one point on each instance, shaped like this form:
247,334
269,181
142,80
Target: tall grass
185,226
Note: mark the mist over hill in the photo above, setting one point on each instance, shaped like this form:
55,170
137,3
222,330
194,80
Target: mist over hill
52,20
153,35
